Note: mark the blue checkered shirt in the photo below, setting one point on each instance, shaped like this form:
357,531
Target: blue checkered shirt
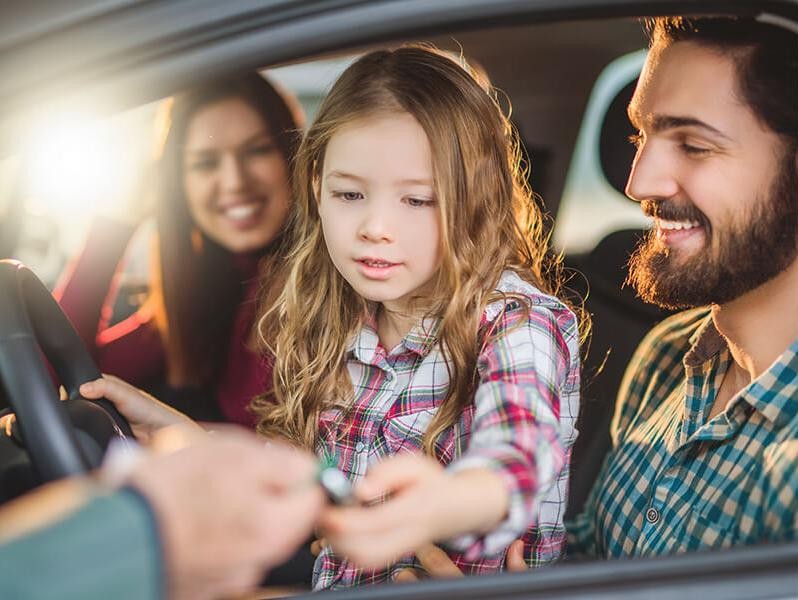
674,482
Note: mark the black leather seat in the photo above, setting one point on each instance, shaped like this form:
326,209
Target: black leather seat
620,319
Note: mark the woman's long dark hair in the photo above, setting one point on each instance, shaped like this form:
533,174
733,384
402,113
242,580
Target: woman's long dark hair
195,287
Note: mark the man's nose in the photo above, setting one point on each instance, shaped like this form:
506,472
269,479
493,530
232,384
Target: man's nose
654,173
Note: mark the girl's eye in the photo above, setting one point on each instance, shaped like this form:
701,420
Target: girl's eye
348,196
419,202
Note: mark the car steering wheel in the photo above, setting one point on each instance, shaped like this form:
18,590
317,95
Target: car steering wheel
52,439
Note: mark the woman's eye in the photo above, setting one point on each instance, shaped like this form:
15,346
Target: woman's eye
262,149
203,165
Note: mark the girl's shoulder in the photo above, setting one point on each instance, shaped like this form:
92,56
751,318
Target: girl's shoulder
518,312
515,294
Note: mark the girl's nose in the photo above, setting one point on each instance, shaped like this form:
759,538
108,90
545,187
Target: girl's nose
375,225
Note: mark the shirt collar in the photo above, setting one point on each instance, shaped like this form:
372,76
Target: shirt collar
774,393
420,339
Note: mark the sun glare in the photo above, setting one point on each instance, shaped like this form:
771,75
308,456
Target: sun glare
73,164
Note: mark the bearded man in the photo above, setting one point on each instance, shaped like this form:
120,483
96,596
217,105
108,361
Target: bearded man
705,434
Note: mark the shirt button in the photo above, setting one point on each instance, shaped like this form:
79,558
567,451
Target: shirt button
360,446
652,515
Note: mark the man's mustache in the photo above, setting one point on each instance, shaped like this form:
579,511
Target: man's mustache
670,210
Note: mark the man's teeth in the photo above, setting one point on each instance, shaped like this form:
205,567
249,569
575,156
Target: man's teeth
671,225
242,211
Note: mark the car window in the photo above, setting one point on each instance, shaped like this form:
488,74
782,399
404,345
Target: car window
590,207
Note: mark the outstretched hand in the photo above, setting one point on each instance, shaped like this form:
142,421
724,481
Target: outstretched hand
374,535
146,414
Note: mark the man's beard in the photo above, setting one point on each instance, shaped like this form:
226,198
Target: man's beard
751,251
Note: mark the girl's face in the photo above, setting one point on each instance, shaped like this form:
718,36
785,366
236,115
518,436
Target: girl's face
234,176
378,212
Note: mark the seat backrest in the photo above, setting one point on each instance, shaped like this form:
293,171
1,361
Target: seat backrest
620,318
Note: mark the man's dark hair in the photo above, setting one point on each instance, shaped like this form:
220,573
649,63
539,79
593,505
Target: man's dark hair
765,55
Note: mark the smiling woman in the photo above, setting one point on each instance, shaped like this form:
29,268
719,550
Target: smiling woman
222,191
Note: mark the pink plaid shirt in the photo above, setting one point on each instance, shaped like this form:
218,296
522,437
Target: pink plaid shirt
520,424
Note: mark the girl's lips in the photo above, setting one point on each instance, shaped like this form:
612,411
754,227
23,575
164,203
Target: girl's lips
376,269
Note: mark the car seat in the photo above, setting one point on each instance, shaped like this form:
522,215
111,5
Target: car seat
620,319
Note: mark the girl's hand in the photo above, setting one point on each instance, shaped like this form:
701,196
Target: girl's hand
145,414
373,536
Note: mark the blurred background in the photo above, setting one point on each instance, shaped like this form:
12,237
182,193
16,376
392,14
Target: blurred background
74,167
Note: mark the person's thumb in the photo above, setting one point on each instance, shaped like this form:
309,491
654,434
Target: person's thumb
515,557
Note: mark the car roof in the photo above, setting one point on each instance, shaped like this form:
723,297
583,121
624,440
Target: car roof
124,53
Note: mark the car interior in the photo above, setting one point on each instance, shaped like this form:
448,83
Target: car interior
552,74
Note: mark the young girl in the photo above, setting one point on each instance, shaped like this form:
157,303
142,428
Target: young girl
417,320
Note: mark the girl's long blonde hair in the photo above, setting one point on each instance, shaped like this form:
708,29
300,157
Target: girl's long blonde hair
489,222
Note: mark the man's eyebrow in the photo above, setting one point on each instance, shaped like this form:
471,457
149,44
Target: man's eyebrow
659,123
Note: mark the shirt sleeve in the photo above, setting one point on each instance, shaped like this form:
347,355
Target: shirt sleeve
131,349
109,548
516,430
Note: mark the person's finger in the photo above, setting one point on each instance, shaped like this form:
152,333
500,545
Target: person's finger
62,393
113,388
436,562
407,576
515,557
8,423
176,437
359,520
391,475
317,545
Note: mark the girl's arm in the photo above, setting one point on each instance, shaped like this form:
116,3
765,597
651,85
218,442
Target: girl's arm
516,453
131,349
427,503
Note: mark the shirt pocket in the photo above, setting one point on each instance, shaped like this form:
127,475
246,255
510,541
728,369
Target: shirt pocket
701,529
405,433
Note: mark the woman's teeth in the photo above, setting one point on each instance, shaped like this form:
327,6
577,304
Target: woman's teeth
241,212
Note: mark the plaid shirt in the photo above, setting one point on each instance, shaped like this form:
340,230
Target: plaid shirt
520,424
674,482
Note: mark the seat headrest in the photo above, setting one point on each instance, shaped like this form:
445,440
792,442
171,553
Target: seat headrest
616,153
